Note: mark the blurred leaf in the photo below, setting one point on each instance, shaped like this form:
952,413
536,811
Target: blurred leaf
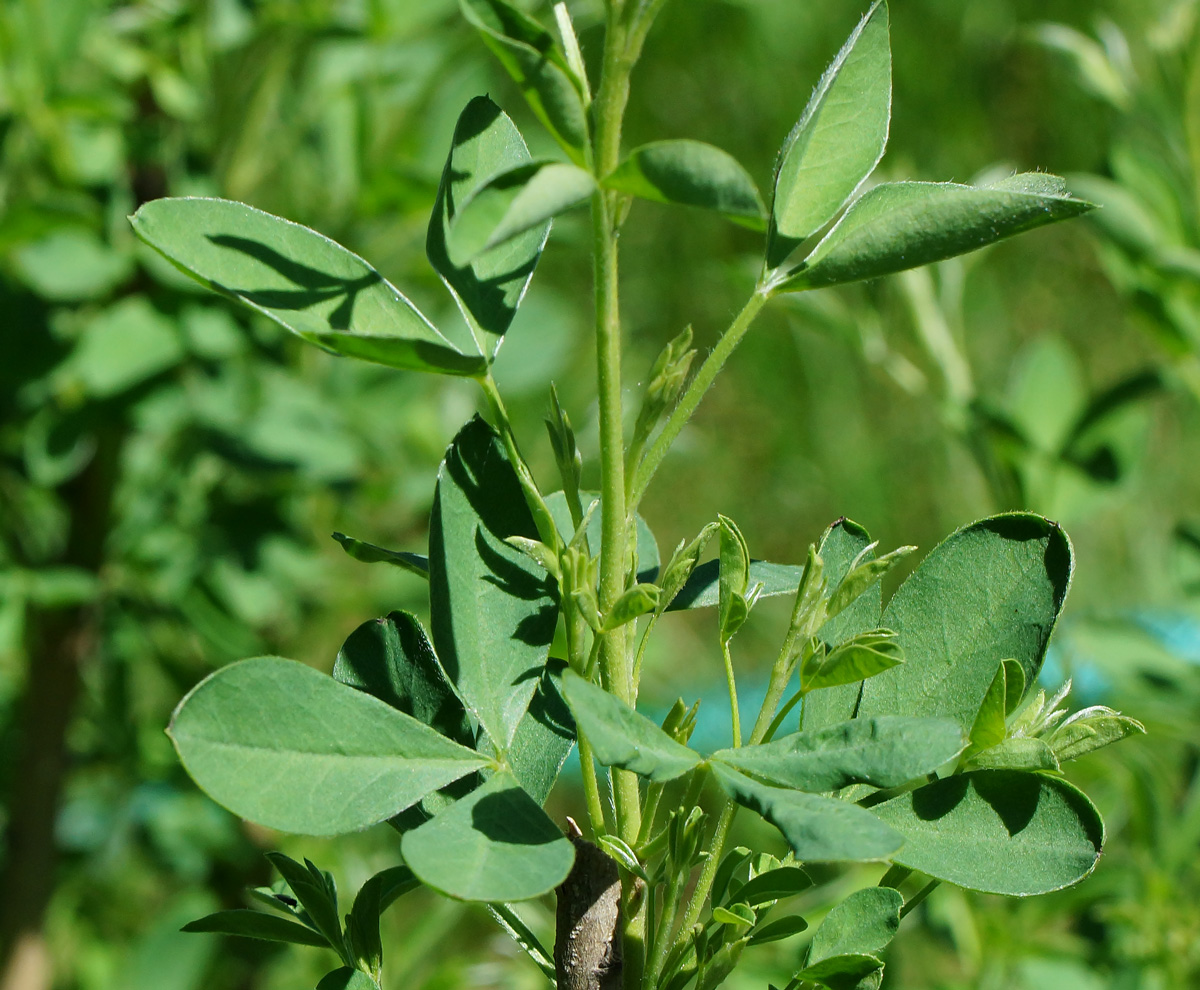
900,225
690,173
818,829
990,591
257,924
492,614
839,138
1046,392
285,746
347,979
529,54
300,279
495,844
162,957
881,752
997,831
490,286
369,553
124,346
71,264
622,737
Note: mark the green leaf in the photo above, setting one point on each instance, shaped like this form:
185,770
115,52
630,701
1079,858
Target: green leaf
647,546
362,927
864,923
391,659
495,844
528,53
283,745
317,895
71,264
901,225
818,829
779,929
1091,729
1014,684
347,979
690,173
622,737
702,589
491,608
998,831
394,883
842,972
991,591
301,280
861,577
860,657
123,347
1017,753
521,198
733,579
989,727
839,138
633,603
489,287
773,885
544,737
881,752
842,544
257,924
735,914
369,553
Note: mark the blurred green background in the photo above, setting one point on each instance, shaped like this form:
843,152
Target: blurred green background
170,468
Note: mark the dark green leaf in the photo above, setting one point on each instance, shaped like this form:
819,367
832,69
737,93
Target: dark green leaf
993,590
300,279
316,894
864,923
998,831
733,578
528,53
391,659
702,589
842,972
368,553
881,752
492,613
285,746
495,844
544,736
690,173
622,737
901,225
773,885
818,829
779,929
521,198
256,924
838,140
347,979
491,285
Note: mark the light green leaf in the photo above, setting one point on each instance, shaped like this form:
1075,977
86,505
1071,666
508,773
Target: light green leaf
735,914
842,544
861,577
301,280
864,923
71,264
490,286
633,603
647,546
283,745
257,924
544,737
347,979
901,225
818,829
990,591
123,347
1091,729
881,752
989,727
1014,684
369,553
622,737
998,831
860,657
702,589
529,54
733,580
491,608
839,138
495,844
690,173
1017,753
391,659
519,199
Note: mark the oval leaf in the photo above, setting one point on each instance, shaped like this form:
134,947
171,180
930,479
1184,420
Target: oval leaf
491,610
489,287
774,885
690,173
991,591
347,979
838,140
300,279
622,737
544,737
495,844
901,225
818,829
998,831
881,752
864,923
285,746
256,924
782,928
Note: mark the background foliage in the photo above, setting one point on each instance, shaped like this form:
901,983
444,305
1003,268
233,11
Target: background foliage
169,467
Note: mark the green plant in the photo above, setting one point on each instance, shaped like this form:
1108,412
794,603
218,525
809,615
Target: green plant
918,744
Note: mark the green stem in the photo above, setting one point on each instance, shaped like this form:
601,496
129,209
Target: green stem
695,391
735,715
591,789
546,528
661,940
708,872
919,896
